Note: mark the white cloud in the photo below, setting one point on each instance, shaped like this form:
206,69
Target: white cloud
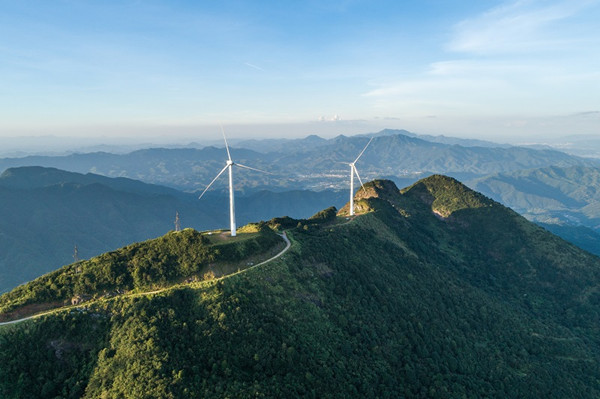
518,26
495,76
479,68
334,118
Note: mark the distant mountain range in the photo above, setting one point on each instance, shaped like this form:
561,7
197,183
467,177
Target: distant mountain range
438,139
564,199
314,141
547,191
431,291
310,163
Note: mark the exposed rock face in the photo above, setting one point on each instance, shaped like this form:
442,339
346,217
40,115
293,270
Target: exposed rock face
382,189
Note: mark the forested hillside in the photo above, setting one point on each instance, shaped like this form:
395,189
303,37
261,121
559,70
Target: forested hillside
432,291
547,191
46,212
564,199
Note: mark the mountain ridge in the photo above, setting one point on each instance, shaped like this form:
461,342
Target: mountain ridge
47,212
397,155
566,197
394,302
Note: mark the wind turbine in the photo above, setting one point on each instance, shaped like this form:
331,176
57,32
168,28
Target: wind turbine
229,165
352,172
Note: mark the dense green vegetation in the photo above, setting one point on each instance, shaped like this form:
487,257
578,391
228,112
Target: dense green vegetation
583,237
447,195
471,302
564,199
53,357
326,215
143,266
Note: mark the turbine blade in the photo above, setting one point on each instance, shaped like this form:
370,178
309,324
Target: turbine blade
357,175
226,145
215,179
248,167
359,155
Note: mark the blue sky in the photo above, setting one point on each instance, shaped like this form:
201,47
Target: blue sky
488,69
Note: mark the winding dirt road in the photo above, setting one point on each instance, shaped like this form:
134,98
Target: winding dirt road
283,235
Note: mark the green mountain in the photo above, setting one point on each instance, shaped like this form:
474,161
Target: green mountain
567,199
575,188
431,291
582,236
46,212
32,177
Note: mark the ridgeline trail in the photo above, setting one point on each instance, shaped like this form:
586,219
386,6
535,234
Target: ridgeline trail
283,235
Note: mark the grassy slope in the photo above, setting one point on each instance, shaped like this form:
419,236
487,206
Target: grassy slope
479,303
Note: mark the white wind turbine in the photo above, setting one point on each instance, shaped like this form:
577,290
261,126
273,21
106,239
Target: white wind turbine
229,165
352,172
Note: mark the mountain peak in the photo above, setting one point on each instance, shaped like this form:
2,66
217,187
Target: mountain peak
314,138
446,195
26,177
381,189
384,189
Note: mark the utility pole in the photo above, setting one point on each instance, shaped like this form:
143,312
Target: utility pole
177,222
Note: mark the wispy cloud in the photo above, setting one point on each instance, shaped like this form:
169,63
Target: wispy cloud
586,114
517,26
254,66
495,75
470,68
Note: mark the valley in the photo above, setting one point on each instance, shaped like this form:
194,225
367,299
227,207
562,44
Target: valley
47,212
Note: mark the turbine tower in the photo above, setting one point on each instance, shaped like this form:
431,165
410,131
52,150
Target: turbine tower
352,172
229,166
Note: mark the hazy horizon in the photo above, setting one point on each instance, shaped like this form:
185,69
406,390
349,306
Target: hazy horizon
51,144
494,70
